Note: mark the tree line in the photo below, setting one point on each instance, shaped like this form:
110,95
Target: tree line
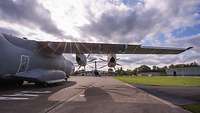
145,68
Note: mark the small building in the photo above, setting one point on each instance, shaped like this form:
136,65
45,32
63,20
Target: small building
184,71
150,74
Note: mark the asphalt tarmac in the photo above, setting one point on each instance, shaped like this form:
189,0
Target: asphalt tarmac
83,95
175,94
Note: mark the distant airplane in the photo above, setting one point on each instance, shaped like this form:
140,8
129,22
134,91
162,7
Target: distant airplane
43,62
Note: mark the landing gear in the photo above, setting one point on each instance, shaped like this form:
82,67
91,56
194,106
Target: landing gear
40,84
96,73
19,83
11,83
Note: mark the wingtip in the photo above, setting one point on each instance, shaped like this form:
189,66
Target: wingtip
189,48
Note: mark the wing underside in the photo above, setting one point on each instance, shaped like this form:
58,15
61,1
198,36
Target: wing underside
101,48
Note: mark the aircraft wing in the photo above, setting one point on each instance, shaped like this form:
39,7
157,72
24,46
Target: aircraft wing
102,48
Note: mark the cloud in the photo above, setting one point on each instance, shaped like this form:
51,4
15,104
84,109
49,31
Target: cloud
161,60
136,22
110,21
9,31
29,13
191,41
139,20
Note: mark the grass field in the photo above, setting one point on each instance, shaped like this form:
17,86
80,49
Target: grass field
194,108
161,80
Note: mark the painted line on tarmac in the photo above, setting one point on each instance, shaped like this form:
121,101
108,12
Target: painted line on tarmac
159,99
22,95
36,92
12,98
60,104
82,95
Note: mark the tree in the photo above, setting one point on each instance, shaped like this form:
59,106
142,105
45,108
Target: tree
155,68
129,72
171,66
194,64
120,71
143,68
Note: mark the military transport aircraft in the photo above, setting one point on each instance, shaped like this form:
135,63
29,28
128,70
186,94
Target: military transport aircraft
43,62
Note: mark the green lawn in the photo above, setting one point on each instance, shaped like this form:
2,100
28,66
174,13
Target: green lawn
194,108
161,80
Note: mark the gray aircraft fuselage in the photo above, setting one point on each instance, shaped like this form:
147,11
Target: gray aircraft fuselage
22,55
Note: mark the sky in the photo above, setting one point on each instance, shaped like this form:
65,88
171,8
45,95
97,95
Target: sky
168,23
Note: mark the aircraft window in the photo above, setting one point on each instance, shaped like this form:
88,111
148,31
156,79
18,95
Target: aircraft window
24,61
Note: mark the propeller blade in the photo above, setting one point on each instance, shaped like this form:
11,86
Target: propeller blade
103,60
102,66
119,64
88,56
95,61
91,60
90,66
100,61
117,58
79,67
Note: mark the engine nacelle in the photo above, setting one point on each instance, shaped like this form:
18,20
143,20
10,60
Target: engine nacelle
81,59
112,62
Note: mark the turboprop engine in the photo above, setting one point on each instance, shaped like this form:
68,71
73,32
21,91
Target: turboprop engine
112,61
81,59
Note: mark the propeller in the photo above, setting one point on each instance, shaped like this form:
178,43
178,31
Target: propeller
90,66
91,60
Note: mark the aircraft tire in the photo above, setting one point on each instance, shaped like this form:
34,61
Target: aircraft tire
39,84
12,83
19,83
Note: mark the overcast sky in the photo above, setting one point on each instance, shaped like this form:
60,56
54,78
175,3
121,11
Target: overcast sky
174,23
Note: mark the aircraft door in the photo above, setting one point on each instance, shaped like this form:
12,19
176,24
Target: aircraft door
24,62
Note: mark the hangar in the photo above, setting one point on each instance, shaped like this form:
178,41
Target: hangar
184,71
